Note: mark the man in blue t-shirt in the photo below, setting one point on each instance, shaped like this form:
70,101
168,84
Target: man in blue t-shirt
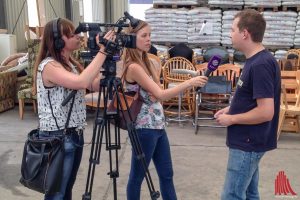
252,117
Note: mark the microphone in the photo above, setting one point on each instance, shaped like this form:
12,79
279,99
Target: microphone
212,65
133,21
185,71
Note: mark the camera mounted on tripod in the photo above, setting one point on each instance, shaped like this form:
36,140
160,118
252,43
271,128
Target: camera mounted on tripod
112,48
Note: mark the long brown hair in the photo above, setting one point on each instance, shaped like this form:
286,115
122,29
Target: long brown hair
132,56
47,48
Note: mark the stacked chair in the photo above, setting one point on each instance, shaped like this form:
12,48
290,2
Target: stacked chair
217,93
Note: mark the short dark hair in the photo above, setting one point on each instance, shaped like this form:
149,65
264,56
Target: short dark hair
253,22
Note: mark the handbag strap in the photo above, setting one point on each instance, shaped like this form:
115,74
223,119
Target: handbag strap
52,110
69,113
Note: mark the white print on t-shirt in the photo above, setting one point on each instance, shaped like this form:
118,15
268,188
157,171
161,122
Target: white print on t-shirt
240,83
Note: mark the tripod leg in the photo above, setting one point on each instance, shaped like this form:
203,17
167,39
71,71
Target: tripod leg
95,151
112,146
103,124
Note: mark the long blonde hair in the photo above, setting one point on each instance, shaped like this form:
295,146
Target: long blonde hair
132,56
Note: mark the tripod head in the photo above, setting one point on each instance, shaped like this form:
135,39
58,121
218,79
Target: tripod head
112,48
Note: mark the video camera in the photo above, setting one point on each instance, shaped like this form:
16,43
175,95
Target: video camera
112,48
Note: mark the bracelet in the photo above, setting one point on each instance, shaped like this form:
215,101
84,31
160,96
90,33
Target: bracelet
102,52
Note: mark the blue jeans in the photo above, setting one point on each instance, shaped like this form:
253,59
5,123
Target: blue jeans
155,145
73,145
241,182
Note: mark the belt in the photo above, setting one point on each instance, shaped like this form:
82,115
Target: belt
78,130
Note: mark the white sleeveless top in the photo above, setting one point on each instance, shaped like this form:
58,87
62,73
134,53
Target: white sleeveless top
57,95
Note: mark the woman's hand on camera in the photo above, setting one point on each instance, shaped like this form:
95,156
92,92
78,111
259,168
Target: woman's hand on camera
110,35
198,81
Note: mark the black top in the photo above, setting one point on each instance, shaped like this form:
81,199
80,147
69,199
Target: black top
181,50
260,79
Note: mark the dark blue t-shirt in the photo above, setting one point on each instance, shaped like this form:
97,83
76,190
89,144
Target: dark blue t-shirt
260,78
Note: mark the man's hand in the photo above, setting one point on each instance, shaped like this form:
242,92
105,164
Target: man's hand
224,119
222,111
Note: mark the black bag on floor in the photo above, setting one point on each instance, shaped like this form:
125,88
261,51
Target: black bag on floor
43,159
42,163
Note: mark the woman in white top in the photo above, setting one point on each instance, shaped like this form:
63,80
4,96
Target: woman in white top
56,75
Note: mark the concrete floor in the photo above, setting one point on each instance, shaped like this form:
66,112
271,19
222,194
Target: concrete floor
199,162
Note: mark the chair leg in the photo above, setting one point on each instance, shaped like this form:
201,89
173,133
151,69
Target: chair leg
196,112
280,122
21,108
34,105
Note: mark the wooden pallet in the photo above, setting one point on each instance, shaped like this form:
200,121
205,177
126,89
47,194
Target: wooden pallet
263,8
168,44
174,6
226,7
273,48
291,8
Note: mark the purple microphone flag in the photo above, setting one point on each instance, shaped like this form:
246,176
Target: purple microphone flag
212,65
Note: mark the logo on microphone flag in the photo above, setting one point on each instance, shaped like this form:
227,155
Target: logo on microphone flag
283,187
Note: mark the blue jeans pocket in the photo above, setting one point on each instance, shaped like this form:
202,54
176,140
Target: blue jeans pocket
69,144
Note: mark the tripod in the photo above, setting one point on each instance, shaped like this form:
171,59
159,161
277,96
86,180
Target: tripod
108,86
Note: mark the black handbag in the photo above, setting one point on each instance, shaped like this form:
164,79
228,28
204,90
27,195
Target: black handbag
43,158
42,163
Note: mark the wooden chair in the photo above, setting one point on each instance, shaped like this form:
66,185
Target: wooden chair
296,52
201,68
217,92
185,100
231,71
288,64
287,110
289,79
25,90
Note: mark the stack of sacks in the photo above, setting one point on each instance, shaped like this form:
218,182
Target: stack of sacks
225,3
290,2
280,30
211,32
178,2
297,33
167,25
265,3
280,54
227,20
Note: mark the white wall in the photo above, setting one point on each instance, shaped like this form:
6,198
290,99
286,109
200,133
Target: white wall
138,10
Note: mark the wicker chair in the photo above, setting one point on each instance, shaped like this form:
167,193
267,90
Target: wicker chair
184,101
